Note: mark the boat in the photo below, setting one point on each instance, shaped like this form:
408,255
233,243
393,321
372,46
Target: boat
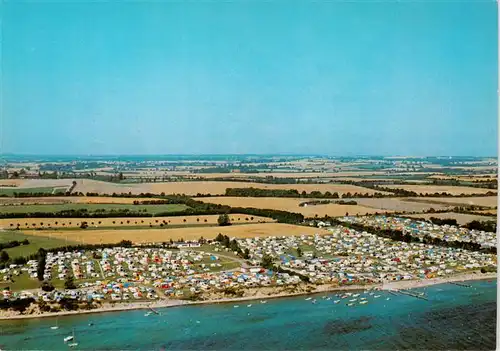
376,296
336,301
147,314
388,298
71,338
350,304
236,306
328,299
263,302
353,300
249,305
363,302
55,326
355,295
313,301
309,298
363,298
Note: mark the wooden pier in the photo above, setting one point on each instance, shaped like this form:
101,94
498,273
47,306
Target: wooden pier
461,284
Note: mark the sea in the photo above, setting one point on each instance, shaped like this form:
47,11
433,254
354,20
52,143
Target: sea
453,318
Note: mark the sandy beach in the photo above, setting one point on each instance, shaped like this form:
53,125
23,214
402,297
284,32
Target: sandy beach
256,294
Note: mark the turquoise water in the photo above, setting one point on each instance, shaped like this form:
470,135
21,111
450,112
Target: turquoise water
454,318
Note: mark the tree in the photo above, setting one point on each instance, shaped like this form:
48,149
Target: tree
4,256
299,252
223,220
246,254
47,286
267,261
69,282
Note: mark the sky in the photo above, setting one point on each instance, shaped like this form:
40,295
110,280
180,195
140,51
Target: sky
238,77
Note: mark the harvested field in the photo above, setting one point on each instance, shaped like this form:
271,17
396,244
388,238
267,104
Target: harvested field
70,200
55,223
461,218
431,189
100,187
38,183
291,205
399,204
489,201
493,212
219,188
161,235
203,187
10,182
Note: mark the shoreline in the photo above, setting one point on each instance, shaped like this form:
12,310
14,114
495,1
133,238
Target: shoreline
403,284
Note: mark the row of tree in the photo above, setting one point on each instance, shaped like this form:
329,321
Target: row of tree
325,202
13,243
267,262
232,245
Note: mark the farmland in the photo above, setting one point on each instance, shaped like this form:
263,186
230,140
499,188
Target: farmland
290,205
153,209
400,205
489,201
161,235
431,189
70,199
460,217
51,224
219,188
10,191
35,242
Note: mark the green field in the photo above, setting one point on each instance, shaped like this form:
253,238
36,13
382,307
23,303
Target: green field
21,282
36,242
9,191
93,208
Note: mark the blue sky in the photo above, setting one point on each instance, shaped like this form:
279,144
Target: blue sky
339,78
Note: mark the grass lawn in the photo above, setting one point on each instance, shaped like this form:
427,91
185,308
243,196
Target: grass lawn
21,282
93,207
36,242
9,191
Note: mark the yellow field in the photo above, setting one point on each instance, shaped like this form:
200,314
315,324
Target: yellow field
10,182
492,211
193,233
24,223
489,201
218,188
431,189
291,205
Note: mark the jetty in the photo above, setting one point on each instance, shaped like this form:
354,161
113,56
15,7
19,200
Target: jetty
412,294
461,284
153,310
